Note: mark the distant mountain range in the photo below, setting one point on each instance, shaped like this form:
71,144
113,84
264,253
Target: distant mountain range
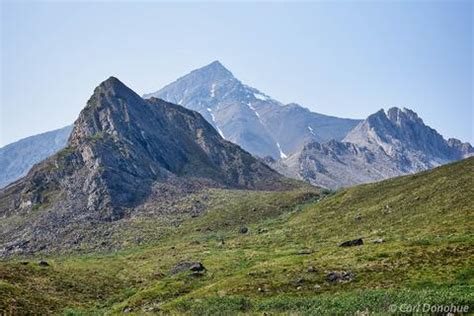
384,145
323,150
247,116
17,158
126,157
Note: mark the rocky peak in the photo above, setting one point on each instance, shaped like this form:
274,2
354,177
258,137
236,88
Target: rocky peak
402,133
214,72
107,111
215,68
403,116
122,145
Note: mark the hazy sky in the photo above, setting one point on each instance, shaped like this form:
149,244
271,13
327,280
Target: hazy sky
347,59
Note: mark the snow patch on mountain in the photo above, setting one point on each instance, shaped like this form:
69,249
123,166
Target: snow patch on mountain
261,96
282,154
215,124
213,90
253,109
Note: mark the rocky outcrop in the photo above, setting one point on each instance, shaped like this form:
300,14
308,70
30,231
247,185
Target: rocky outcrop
402,135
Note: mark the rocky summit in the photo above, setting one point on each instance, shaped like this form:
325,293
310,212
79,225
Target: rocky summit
126,157
248,117
385,145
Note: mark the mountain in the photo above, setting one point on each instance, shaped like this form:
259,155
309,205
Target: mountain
384,145
248,117
126,157
241,114
416,249
17,158
402,135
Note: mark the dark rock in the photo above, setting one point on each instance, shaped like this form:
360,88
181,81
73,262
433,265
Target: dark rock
243,230
340,276
351,243
305,252
188,266
43,263
298,281
24,263
358,217
312,269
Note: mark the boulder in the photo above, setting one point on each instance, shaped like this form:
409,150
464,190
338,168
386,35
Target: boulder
243,230
195,267
341,276
305,252
298,281
351,243
43,263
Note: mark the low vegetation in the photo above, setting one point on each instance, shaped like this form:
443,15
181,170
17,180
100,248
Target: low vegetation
417,249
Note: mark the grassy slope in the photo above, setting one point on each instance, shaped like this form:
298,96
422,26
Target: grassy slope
426,221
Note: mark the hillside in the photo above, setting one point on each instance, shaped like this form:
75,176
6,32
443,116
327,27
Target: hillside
417,248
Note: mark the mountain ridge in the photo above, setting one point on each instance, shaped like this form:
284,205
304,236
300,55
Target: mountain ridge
249,117
385,145
397,138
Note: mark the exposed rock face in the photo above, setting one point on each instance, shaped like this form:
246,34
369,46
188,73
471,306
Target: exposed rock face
403,136
16,159
123,153
385,145
248,117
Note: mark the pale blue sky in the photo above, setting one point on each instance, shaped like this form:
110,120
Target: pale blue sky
347,59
